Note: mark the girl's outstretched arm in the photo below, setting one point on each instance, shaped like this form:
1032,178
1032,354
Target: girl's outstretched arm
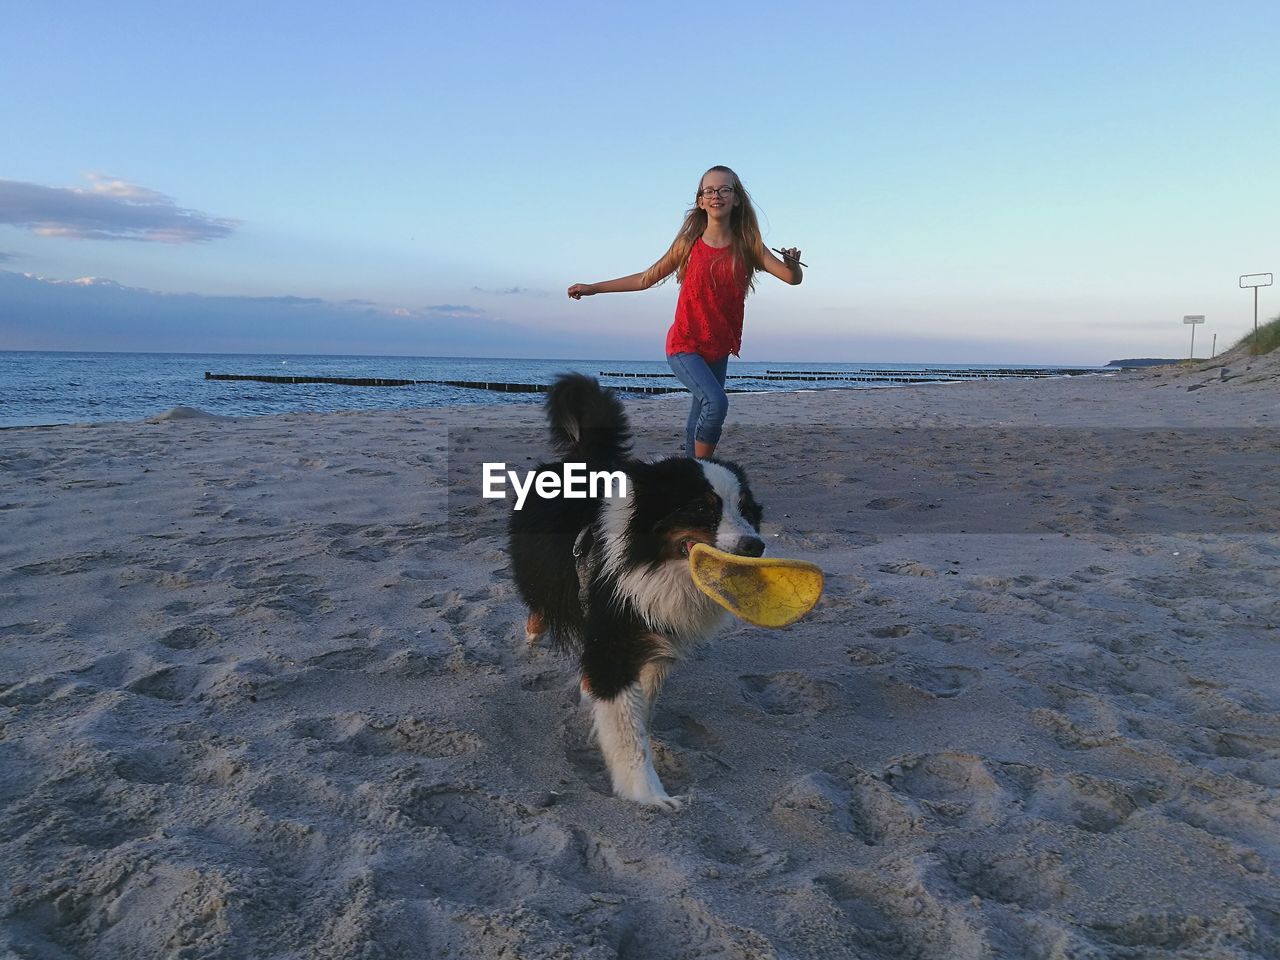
636,281
621,285
788,269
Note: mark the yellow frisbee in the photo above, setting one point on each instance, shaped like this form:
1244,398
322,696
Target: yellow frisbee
759,590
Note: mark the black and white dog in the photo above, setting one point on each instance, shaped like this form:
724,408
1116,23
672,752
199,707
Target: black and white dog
608,576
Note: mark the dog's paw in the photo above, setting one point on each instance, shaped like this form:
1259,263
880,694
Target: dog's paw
658,799
669,804
665,803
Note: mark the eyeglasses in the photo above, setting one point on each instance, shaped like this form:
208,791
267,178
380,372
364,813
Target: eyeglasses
722,192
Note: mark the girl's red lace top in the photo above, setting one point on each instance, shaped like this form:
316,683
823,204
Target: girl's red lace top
709,312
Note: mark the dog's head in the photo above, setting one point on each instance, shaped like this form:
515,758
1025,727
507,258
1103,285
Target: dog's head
679,502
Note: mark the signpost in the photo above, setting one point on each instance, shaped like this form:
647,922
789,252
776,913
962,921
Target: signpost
1254,280
1193,319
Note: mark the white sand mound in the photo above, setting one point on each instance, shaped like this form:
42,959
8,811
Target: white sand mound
183,413
1237,367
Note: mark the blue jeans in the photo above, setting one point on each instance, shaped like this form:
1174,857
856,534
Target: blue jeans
710,404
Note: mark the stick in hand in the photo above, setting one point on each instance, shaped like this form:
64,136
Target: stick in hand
785,257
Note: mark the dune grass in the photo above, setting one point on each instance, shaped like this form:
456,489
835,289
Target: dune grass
1268,337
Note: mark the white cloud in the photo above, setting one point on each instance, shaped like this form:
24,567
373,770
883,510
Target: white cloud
111,209
115,187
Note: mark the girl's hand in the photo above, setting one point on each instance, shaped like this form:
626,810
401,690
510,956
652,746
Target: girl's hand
580,290
788,268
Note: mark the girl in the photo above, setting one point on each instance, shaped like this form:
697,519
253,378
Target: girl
714,257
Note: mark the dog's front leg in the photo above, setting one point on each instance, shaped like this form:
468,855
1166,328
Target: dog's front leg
622,727
652,675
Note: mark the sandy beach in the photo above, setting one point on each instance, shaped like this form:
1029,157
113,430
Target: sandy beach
265,692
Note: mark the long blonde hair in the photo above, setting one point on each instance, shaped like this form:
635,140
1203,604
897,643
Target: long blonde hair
747,245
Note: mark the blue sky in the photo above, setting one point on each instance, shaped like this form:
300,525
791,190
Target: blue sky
969,182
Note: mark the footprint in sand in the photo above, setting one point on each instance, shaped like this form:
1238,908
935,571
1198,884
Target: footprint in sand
188,638
896,916
956,787
969,790
850,801
365,552
682,926
1091,574
288,593
174,684
787,693
79,563
1088,722
368,736
908,568
180,608
34,628
163,892
1089,803
1246,746
870,656
1167,934
344,529
184,763
424,575
40,690
685,731
406,664
486,822
942,682
891,632
349,658
887,503
1236,810
1024,879
732,846
544,680
955,633
452,607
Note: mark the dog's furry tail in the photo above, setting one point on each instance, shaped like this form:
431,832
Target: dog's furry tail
587,421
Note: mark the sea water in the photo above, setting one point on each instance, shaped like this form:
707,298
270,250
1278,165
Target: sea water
53,387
